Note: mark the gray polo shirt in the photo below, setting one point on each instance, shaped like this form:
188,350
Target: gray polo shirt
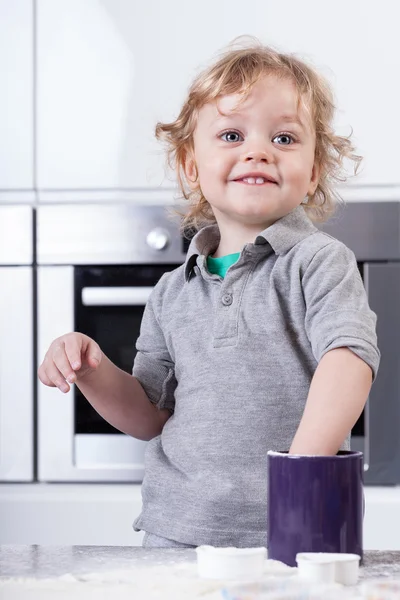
233,359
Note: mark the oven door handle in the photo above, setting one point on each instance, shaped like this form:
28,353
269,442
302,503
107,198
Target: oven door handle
116,296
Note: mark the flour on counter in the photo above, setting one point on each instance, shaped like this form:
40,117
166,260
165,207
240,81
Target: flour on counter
173,581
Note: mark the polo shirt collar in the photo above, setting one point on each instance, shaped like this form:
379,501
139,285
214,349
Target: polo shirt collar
205,242
287,231
281,236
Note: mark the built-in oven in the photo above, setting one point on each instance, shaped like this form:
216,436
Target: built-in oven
16,344
97,266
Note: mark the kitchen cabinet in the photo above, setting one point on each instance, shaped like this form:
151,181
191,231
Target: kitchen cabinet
108,70
16,99
16,374
357,47
16,344
30,514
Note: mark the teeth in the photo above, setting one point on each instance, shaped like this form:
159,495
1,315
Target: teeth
254,180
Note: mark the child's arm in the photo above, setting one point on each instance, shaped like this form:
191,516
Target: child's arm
337,395
120,399
113,393
138,405
341,328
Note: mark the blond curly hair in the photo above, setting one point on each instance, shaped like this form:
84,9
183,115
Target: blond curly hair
236,71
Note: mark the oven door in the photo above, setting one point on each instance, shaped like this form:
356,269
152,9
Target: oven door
105,303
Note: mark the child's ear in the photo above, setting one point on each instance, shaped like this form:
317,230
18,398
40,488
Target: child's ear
315,175
190,170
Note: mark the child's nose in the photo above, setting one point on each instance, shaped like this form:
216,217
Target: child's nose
257,156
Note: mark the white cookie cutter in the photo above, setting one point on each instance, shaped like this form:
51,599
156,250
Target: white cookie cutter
230,563
327,567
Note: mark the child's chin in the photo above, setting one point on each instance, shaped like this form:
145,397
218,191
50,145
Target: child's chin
256,218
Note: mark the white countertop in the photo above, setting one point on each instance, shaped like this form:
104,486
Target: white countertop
123,573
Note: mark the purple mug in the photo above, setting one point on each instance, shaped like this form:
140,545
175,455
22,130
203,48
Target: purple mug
315,504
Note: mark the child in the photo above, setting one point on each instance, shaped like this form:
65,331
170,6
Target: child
263,339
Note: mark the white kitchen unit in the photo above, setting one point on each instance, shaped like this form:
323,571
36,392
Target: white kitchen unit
109,70
16,101
102,515
357,47
77,514
16,344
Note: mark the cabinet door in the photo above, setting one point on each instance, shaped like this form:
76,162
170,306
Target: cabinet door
16,96
16,374
108,70
356,45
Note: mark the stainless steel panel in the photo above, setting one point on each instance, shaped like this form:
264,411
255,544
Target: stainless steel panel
16,235
124,233
16,375
99,234
357,444
383,288
370,229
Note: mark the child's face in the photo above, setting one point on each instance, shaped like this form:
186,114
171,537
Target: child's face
266,136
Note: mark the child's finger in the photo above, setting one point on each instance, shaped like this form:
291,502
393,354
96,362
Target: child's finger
63,364
93,354
43,376
56,377
73,352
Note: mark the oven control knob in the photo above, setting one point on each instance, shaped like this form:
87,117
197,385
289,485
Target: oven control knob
158,238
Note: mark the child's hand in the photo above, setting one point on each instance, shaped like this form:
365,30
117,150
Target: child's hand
69,358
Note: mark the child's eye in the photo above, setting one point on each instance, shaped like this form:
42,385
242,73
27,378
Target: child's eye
231,136
285,139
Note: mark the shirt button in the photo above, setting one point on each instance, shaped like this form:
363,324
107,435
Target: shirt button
227,299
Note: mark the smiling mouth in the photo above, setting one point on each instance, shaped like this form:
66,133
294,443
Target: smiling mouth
255,181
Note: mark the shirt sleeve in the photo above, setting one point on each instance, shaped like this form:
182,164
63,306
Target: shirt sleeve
337,310
153,366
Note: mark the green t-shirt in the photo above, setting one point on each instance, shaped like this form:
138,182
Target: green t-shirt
220,265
